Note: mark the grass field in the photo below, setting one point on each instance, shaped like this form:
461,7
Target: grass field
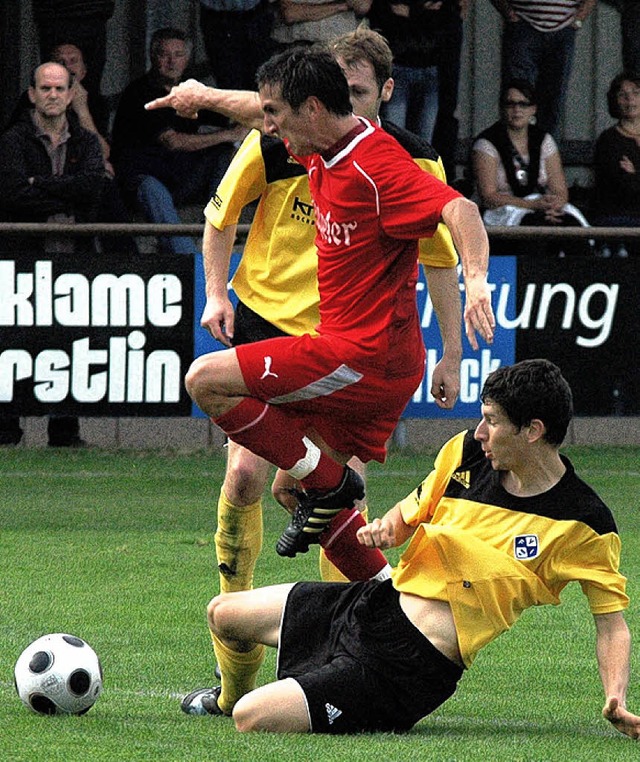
116,547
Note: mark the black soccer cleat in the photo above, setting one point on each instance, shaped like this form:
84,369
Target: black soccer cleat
202,702
314,512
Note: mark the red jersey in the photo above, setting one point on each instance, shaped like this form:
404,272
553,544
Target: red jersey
372,204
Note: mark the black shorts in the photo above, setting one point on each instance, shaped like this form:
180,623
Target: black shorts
250,327
363,666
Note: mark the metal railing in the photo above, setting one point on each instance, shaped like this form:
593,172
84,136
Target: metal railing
195,229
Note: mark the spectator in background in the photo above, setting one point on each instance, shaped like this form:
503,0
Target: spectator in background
89,105
445,134
161,159
537,45
518,169
300,22
51,170
630,27
418,33
617,160
88,110
81,22
237,39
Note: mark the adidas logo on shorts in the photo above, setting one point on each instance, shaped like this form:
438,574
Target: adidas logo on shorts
332,713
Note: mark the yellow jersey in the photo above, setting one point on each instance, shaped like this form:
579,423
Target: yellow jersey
492,555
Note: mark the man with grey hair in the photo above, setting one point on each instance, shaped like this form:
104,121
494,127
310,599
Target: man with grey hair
162,160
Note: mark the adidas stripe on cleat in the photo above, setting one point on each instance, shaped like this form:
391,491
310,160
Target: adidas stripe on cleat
314,512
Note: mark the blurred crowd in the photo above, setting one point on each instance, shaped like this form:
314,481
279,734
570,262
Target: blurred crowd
160,162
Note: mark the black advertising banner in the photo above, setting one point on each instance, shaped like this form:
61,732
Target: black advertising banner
95,335
582,313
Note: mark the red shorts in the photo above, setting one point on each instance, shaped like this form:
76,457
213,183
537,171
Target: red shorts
355,411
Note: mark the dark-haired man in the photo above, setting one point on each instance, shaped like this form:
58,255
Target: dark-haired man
502,523
309,403
276,284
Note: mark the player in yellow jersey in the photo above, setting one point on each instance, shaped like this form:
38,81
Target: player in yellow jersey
502,523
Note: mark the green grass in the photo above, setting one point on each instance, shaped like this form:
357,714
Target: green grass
117,547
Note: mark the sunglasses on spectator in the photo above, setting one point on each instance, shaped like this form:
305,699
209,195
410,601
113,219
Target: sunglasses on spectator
515,104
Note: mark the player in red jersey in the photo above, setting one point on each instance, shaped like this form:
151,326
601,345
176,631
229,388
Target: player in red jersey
307,404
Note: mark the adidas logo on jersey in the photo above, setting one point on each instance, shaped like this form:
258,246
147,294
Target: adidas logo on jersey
462,477
332,713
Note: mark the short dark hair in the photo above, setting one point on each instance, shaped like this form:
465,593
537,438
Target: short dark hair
614,90
532,389
164,34
302,72
364,44
525,87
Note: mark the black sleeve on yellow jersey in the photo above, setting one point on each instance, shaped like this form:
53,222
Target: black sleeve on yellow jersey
278,163
569,500
413,144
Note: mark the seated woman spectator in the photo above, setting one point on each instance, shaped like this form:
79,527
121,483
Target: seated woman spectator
617,159
517,167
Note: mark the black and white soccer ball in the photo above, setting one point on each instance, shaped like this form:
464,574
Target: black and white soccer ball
58,674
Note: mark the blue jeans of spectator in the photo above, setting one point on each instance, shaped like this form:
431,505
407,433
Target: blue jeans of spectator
158,181
157,205
414,103
544,59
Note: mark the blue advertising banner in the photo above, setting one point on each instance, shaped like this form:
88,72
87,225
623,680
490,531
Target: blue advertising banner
580,312
475,365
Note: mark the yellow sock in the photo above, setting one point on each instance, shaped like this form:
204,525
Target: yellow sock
239,672
328,571
238,543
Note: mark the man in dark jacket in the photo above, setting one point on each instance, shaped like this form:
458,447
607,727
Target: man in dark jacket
51,170
163,161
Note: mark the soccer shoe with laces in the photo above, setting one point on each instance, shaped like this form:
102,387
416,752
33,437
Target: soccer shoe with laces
202,702
314,512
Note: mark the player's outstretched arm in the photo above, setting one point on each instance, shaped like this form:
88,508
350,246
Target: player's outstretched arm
388,532
463,219
191,96
613,649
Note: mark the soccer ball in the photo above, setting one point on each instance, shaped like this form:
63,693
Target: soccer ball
58,674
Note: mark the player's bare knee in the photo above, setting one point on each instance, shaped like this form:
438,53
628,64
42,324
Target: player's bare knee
203,386
247,715
284,497
195,378
219,613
